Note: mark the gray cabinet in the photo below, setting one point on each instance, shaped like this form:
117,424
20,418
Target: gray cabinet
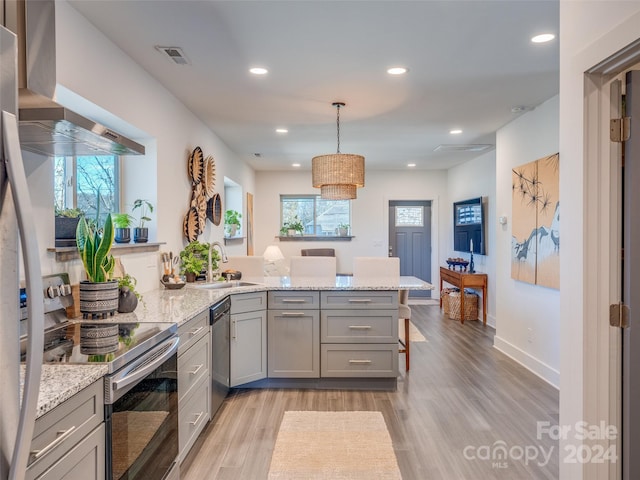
359,334
294,334
248,342
69,441
194,385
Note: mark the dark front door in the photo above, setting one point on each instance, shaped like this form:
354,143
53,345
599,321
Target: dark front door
410,239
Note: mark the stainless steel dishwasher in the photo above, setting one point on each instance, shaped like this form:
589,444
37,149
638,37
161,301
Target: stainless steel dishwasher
219,318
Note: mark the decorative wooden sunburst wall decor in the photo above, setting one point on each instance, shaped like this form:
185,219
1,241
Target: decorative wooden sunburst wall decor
202,173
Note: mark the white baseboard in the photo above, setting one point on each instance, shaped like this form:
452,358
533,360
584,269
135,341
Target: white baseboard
541,369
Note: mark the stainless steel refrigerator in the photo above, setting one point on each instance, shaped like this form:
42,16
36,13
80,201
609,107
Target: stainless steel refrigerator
17,232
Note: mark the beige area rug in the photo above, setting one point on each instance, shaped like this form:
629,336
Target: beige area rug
335,446
134,430
414,333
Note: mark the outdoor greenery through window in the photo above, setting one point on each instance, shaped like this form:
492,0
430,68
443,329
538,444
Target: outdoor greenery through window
80,182
318,217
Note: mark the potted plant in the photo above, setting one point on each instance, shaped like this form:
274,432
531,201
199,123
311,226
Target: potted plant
194,259
122,223
99,293
141,233
343,229
232,222
66,223
128,296
293,227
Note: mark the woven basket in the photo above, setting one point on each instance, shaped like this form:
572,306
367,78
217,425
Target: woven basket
470,306
444,294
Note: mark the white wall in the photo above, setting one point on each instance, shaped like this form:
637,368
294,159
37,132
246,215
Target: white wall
93,69
369,214
527,316
589,33
476,178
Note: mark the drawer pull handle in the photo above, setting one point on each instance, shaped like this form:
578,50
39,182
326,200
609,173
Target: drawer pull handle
62,435
294,300
193,372
197,419
360,327
196,331
359,300
293,314
360,362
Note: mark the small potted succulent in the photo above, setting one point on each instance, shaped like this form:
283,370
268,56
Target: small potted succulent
122,223
343,229
128,295
141,233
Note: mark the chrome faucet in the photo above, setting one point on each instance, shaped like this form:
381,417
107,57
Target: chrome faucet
223,255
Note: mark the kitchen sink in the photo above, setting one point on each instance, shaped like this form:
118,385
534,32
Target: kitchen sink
231,284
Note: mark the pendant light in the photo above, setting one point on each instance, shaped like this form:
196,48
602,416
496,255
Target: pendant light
338,175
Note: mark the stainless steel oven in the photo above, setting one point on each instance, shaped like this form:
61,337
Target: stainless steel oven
140,388
141,416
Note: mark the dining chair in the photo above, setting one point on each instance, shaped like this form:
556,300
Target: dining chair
313,267
369,268
249,266
318,252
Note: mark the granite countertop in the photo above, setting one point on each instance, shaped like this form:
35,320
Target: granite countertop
61,381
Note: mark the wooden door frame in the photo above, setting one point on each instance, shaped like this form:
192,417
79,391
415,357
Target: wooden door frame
435,250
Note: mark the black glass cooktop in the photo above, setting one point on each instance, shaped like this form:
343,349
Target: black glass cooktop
111,343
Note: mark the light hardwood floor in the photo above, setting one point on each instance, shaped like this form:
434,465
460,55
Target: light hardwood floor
461,401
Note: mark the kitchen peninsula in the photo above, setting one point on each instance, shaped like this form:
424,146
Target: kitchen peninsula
179,306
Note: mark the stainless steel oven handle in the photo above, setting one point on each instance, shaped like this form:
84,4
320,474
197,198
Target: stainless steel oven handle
140,368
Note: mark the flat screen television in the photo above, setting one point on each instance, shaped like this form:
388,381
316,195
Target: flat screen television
468,226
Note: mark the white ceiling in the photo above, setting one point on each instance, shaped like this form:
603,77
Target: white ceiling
469,63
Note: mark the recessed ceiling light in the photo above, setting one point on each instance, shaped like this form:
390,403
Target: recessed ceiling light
455,131
411,165
295,164
397,70
259,71
282,130
543,38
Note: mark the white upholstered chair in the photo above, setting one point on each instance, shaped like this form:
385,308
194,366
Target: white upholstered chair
313,267
372,270
251,267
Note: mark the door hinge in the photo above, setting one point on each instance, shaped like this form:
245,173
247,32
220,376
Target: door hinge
619,129
619,315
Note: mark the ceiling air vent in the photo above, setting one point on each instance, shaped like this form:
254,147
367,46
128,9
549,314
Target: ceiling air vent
472,147
175,54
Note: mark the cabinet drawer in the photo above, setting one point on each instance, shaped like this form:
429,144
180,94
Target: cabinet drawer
193,415
359,326
359,299
191,331
248,302
294,300
85,461
59,430
339,360
193,365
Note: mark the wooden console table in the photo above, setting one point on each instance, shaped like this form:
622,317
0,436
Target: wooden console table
464,280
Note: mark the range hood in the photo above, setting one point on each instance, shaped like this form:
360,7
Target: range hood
46,127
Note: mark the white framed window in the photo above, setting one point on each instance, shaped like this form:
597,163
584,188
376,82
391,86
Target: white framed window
412,216
79,179
318,217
